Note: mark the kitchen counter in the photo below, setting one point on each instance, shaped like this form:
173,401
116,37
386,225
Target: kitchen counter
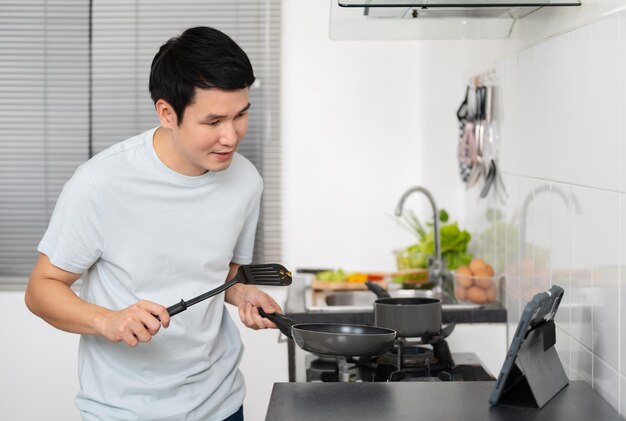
467,401
295,309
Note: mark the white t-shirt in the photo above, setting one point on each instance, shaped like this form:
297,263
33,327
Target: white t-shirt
139,230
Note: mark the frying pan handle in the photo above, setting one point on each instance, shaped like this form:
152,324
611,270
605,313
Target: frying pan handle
377,289
283,323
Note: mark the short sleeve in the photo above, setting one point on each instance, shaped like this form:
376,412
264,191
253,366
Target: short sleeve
74,238
245,244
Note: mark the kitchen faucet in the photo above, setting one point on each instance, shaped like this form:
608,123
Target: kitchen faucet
436,271
527,200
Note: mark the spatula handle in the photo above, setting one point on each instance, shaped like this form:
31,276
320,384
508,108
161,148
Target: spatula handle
177,308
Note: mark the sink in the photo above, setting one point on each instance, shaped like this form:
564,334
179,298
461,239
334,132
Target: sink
359,301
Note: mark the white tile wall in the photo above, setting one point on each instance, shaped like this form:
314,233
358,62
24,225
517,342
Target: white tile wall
562,122
603,116
579,84
581,266
606,381
622,385
560,262
605,294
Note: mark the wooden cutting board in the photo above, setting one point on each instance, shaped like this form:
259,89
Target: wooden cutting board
318,285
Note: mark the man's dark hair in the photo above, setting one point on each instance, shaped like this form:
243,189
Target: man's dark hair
200,57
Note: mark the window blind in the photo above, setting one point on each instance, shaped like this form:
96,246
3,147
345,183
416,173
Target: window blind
51,76
43,118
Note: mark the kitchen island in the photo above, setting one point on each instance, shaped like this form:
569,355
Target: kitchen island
296,309
444,401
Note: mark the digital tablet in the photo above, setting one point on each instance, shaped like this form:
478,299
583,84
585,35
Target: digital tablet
540,310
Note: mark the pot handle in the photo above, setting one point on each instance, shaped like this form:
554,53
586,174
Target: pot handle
283,323
446,331
377,289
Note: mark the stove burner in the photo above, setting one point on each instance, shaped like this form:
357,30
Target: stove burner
408,361
412,356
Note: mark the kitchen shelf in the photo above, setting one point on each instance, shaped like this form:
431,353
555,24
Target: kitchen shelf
432,19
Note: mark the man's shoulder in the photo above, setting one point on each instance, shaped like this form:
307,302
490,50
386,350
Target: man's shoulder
243,169
124,147
242,164
113,161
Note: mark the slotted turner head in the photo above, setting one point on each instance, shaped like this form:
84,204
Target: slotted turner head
269,274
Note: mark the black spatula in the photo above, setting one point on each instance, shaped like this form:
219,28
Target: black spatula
271,274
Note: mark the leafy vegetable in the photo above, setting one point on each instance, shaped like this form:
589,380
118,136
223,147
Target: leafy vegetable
454,242
332,275
340,275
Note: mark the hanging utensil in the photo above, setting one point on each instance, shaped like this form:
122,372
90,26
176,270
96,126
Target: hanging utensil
271,274
478,169
463,148
489,179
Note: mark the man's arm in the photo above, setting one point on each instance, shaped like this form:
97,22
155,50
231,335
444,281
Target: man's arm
247,298
50,297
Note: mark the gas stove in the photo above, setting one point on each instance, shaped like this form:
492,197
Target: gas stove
407,361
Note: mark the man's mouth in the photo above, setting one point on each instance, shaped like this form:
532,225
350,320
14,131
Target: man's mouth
223,156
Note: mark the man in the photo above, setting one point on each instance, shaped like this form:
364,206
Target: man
168,214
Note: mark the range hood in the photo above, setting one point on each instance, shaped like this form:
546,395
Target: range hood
434,19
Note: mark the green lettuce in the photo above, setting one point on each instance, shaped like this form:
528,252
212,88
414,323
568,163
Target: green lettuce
454,243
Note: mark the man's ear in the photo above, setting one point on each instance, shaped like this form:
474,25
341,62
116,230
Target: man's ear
166,114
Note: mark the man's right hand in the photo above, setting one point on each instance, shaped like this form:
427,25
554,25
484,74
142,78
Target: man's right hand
134,324
49,296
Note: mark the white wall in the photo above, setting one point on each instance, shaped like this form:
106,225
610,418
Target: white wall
564,155
38,364
362,122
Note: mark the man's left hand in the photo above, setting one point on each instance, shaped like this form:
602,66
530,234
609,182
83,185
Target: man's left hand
247,298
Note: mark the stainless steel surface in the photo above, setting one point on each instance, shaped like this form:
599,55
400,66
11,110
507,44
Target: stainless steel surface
359,301
343,298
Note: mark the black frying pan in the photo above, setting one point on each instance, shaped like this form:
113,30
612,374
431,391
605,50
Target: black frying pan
335,339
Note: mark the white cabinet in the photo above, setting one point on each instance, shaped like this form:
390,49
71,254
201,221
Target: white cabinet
38,364
487,340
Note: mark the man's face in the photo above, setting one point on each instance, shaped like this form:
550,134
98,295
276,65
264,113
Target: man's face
211,129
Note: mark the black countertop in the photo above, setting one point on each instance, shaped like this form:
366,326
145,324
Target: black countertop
295,309
446,401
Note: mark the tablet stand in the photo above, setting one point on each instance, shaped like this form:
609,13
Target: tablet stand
537,375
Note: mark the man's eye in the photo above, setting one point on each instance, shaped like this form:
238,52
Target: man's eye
241,115
214,123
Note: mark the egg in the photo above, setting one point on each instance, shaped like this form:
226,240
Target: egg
460,293
477,264
464,277
476,295
488,269
483,280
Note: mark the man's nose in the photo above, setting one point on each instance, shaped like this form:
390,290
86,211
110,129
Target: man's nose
228,136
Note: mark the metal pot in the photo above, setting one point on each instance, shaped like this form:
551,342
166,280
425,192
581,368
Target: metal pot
409,317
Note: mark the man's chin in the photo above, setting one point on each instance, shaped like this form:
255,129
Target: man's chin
218,166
